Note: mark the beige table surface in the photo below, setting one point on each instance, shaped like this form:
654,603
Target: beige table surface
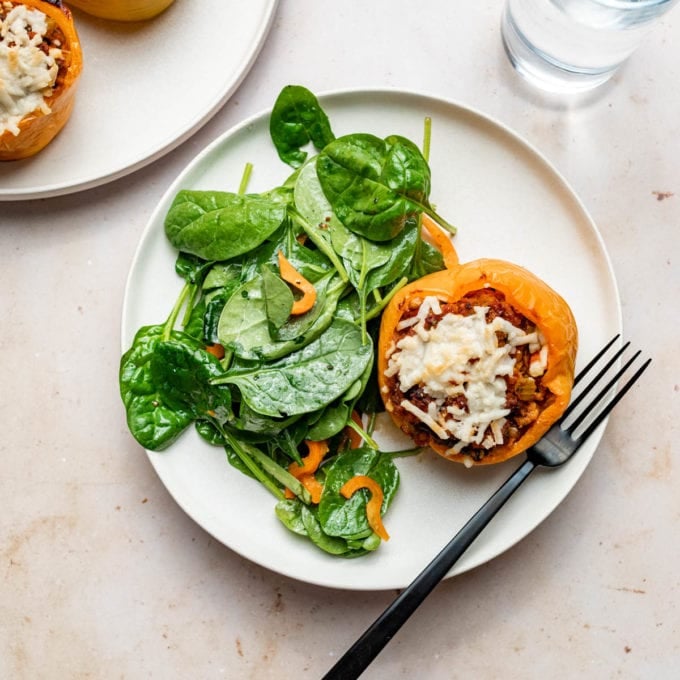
103,576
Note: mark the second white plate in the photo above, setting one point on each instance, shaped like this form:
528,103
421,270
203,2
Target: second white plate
145,88
508,203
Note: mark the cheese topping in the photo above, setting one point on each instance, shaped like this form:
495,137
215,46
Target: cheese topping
460,365
27,73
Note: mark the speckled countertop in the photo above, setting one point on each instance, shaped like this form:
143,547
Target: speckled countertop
103,576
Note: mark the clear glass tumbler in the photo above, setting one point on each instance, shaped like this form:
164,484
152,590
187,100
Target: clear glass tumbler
575,45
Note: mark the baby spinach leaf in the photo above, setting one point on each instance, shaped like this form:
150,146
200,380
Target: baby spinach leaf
329,544
367,544
310,200
217,225
308,379
309,262
302,329
332,420
427,260
401,250
244,323
209,432
290,514
347,517
358,254
297,119
193,325
252,421
213,310
278,299
152,422
182,371
223,274
191,268
374,185
303,521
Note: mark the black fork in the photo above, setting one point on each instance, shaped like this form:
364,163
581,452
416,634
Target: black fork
556,447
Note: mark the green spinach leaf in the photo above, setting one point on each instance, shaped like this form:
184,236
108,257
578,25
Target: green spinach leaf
374,185
217,225
182,373
152,422
297,119
244,324
427,260
223,274
347,517
278,300
308,379
191,268
214,304
290,514
332,420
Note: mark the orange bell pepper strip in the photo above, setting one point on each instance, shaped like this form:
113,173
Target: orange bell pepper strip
290,275
313,485
374,504
38,128
216,350
528,295
441,241
305,472
310,463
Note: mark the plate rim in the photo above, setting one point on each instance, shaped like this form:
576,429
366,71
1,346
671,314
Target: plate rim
366,91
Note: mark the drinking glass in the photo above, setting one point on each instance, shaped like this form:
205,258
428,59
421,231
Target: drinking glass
575,45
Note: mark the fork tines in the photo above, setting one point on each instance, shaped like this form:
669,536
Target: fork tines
606,380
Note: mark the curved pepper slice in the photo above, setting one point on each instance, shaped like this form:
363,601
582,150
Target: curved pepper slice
526,294
292,276
37,128
305,472
374,504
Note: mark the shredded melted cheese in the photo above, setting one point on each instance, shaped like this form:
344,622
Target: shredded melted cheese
27,73
460,356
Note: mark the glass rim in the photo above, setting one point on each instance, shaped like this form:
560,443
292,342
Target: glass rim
630,4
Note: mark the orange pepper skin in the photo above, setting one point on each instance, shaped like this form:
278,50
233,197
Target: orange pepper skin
316,450
305,473
374,504
441,241
292,276
122,10
216,350
530,296
38,129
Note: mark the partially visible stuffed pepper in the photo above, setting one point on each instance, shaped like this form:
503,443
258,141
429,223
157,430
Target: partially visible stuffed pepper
123,10
40,63
477,361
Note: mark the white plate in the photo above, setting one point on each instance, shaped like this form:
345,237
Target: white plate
145,88
509,203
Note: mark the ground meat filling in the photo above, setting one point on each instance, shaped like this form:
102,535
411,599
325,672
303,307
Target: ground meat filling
466,374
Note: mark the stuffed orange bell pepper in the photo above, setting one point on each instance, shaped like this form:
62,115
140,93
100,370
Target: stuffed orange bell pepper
477,361
40,63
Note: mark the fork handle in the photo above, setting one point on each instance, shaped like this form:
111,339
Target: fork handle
358,657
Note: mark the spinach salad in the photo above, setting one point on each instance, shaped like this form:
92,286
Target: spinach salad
273,381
